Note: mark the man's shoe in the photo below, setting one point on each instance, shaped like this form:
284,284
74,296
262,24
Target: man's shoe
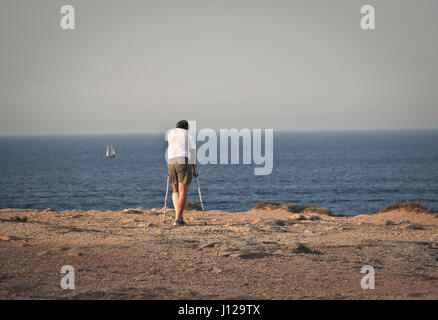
179,223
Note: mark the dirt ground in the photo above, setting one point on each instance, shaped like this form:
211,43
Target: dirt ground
259,254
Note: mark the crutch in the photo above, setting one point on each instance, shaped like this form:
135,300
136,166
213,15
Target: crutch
165,199
200,199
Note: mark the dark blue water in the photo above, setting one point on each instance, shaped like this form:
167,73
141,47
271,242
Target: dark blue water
348,172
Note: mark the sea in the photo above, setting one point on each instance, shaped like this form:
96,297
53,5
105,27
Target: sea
349,172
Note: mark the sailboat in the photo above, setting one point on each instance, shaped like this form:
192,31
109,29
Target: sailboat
110,152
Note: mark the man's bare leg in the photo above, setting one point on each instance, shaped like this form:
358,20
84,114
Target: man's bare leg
175,196
183,189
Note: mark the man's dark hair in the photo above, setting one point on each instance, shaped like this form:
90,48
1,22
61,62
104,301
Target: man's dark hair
183,124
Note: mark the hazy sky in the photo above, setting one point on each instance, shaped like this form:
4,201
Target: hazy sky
139,66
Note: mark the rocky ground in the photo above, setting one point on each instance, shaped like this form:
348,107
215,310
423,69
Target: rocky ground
259,254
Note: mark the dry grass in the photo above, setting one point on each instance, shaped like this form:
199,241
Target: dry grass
271,205
317,210
291,207
411,206
193,206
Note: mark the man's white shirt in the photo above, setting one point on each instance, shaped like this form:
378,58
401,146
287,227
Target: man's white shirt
180,143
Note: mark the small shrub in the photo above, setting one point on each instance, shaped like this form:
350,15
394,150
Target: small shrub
291,207
267,205
193,206
317,210
410,205
271,205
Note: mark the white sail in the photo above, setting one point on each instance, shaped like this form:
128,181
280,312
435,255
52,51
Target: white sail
110,152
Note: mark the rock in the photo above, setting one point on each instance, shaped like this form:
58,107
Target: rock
230,246
155,211
412,226
149,225
217,270
249,255
389,223
314,218
78,211
274,224
226,248
370,243
75,253
9,238
49,210
18,219
223,253
236,243
209,244
299,247
250,228
298,217
193,293
289,222
308,232
61,249
43,253
414,250
135,211
154,270
280,252
276,229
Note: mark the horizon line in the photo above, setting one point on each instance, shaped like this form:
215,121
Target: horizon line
163,132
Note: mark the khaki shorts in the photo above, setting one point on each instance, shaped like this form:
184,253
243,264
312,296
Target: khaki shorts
180,171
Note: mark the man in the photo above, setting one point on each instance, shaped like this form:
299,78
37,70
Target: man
180,154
